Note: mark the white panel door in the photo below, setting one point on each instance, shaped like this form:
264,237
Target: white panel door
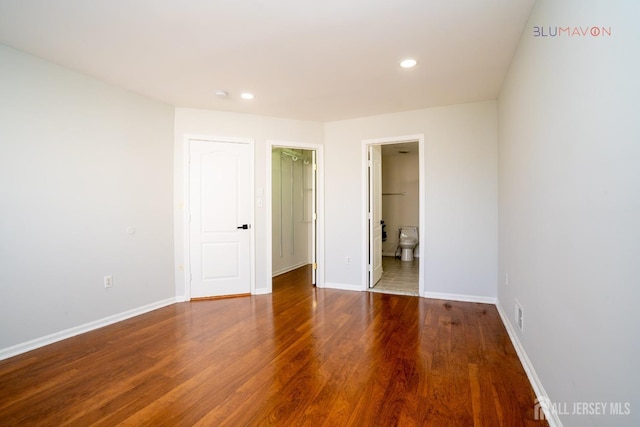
220,206
375,209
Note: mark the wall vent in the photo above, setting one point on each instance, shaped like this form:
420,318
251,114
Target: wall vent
519,315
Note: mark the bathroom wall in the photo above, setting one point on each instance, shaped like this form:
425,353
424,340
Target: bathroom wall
400,174
291,211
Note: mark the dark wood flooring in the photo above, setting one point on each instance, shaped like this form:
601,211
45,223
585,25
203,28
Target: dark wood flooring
300,356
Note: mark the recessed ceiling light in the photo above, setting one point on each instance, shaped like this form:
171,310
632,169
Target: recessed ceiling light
408,63
247,95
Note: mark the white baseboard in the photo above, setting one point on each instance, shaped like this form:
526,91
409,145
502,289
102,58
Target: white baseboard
181,298
538,389
342,286
392,292
461,297
261,291
288,269
435,295
17,349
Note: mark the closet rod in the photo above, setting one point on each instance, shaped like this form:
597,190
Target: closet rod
404,193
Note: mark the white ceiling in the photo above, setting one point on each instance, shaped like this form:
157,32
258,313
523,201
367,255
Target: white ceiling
304,59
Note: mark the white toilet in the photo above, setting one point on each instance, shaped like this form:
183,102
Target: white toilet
408,242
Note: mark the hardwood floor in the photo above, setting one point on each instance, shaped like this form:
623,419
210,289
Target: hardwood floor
300,356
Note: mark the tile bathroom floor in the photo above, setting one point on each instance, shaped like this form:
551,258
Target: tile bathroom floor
398,277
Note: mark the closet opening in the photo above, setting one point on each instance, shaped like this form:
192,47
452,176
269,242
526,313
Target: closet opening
294,213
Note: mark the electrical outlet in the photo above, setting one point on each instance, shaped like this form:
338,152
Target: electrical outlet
519,314
108,281
348,260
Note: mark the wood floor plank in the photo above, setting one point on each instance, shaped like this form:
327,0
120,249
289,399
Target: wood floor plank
299,356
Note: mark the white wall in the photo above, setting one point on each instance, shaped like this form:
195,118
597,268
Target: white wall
222,124
400,174
569,149
461,195
80,161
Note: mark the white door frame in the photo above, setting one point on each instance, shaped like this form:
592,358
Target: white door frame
318,148
187,207
422,203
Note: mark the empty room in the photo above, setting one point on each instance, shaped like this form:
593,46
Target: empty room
319,213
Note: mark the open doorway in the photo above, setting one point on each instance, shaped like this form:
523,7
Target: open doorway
294,209
394,215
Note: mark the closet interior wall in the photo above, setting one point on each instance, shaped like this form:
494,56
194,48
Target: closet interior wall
291,204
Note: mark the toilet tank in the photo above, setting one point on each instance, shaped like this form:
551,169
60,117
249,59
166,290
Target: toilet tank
407,231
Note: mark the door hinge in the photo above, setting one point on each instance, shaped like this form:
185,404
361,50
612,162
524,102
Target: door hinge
315,167
315,216
315,265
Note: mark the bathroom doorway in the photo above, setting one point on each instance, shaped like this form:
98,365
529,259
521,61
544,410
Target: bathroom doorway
394,201
294,209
